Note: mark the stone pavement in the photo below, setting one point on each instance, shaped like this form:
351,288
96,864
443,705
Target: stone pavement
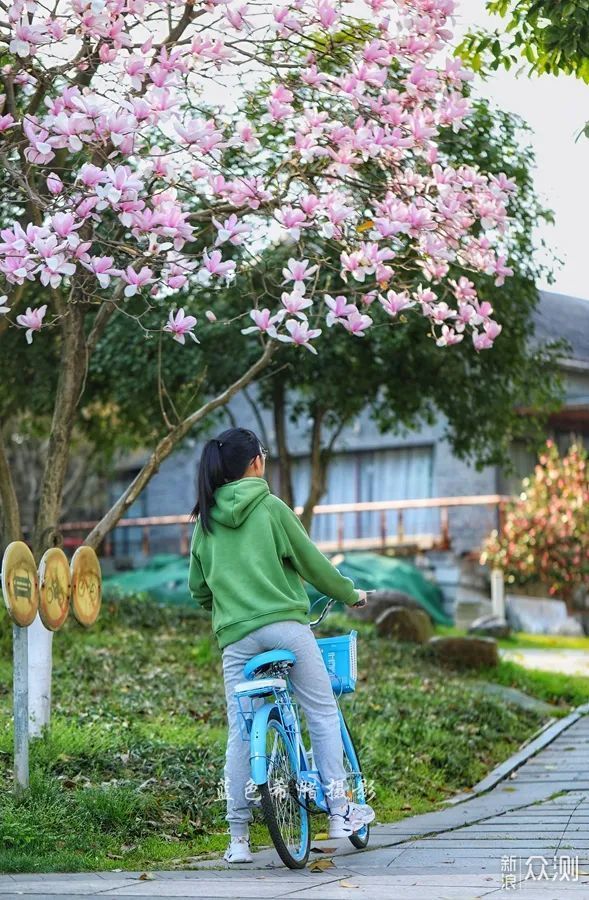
528,836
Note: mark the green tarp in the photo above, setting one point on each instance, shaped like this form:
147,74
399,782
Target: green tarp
370,571
164,577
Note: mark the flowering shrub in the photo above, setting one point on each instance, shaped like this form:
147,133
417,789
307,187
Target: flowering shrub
546,531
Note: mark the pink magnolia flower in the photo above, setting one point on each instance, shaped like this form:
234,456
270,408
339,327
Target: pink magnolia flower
339,309
201,132
210,316
501,271
300,334
463,289
6,122
264,322
246,136
246,191
54,183
294,303
136,280
292,220
102,267
27,38
357,323
448,337
53,264
440,312
91,175
39,150
180,325
231,230
32,320
298,271
65,226
484,340
213,265
394,302
327,13
3,299
238,17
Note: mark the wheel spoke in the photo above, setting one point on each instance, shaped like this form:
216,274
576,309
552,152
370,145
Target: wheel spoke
281,784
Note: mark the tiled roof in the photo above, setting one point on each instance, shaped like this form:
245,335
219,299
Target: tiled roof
560,316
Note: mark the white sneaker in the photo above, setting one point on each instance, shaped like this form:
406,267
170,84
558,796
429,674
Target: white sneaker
352,818
238,851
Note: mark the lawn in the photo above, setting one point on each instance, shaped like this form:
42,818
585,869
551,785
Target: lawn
128,776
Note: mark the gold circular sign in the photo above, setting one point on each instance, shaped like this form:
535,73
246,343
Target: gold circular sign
86,585
19,583
54,588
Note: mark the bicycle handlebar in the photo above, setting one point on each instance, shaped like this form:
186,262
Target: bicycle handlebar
326,609
324,612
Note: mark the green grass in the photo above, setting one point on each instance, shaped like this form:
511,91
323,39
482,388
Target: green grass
127,777
553,687
546,641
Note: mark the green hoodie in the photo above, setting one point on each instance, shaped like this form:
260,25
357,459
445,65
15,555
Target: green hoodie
249,569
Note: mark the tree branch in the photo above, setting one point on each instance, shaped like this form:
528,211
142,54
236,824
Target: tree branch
167,444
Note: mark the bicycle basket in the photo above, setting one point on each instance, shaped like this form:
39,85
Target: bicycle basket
339,656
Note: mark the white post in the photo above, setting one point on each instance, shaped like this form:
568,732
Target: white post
21,707
40,644
498,593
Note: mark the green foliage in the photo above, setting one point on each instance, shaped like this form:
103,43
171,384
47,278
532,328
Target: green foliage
546,36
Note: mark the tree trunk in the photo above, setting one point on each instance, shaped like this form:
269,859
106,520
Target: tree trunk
69,388
285,487
320,460
11,523
318,470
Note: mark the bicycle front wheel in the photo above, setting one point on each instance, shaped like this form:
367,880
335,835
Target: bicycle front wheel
355,780
285,813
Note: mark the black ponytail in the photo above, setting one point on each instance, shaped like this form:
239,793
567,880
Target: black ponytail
224,458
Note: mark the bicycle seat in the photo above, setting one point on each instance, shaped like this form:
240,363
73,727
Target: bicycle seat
258,665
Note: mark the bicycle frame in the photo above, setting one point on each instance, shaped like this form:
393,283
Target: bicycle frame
283,706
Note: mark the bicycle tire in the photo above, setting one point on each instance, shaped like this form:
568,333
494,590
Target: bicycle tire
361,838
292,855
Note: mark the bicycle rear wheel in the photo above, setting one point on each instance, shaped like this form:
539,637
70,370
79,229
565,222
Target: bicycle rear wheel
286,816
356,786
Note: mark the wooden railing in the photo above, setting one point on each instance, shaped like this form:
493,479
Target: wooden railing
384,538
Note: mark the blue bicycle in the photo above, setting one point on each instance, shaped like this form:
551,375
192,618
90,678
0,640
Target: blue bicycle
289,785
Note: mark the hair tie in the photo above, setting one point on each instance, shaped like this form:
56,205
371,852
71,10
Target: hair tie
219,443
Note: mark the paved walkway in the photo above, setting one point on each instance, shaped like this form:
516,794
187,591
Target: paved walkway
529,833
569,662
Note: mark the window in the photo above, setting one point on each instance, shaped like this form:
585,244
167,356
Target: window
404,473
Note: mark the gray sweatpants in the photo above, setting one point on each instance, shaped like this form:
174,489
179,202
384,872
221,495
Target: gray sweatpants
312,689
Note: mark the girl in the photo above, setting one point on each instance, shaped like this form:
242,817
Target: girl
248,557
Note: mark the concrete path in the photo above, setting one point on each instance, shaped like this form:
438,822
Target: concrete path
569,662
529,833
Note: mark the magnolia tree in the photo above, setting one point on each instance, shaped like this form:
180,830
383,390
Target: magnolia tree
545,536
148,147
